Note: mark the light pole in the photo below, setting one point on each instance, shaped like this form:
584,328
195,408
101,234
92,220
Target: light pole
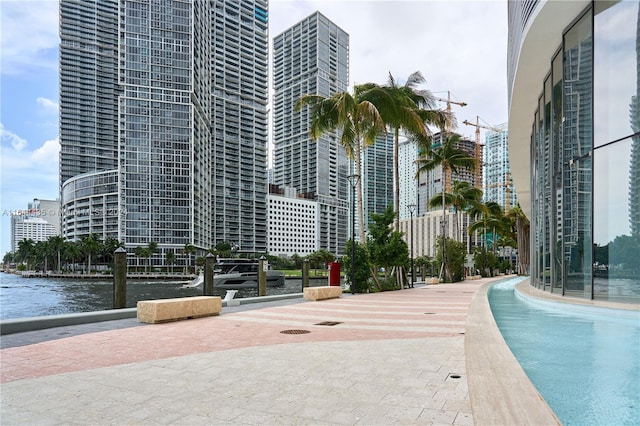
412,208
353,180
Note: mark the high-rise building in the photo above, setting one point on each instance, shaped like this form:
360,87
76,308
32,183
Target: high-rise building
312,58
572,70
39,221
498,186
377,177
163,124
409,183
431,182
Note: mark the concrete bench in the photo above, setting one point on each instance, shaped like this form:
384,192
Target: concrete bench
321,293
164,310
432,280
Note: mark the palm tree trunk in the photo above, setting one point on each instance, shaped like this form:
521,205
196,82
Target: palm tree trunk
359,192
396,180
443,269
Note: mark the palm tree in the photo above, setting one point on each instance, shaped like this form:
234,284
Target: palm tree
357,120
71,251
489,217
147,252
189,249
57,246
26,250
90,245
451,159
110,245
463,196
409,109
170,259
522,237
43,251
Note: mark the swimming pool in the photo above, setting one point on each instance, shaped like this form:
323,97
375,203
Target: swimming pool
584,361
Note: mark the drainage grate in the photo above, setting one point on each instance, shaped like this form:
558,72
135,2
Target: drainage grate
295,332
330,323
429,313
453,376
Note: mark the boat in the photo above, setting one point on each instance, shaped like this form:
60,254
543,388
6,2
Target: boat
239,273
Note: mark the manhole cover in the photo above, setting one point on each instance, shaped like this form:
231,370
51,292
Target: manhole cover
295,331
454,376
328,323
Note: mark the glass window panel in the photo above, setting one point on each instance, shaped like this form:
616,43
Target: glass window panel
617,247
616,71
556,142
577,145
547,215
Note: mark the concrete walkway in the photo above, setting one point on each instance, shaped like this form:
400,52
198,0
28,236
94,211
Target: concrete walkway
389,358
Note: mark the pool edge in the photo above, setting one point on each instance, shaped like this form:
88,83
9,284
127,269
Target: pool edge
499,390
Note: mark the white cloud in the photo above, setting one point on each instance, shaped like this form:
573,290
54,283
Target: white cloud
47,154
48,104
16,141
28,35
459,46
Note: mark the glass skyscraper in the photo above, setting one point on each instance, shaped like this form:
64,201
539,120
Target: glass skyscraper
498,186
163,126
312,58
576,130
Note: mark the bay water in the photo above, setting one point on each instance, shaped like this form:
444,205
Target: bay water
33,297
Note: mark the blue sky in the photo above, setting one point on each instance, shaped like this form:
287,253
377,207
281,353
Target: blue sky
459,47
28,106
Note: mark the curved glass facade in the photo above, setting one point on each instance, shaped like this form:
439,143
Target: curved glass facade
585,160
90,205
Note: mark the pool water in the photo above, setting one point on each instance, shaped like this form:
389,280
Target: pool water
584,361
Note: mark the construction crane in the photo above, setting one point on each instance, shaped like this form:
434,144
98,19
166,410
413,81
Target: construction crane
507,191
447,179
449,102
477,125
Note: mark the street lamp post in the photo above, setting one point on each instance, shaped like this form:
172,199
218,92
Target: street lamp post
353,180
412,208
443,270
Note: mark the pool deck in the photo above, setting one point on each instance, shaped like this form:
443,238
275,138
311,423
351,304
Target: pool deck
427,355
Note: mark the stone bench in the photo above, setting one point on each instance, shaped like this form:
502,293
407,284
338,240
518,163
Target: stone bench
432,280
473,277
164,310
322,293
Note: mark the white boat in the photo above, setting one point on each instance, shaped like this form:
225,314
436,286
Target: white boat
239,273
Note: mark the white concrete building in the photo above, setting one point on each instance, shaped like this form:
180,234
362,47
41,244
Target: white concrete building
33,228
428,228
38,222
292,223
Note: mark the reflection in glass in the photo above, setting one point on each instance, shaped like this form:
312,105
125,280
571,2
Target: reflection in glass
617,165
577,145
615,70
556,138
617,249
547,215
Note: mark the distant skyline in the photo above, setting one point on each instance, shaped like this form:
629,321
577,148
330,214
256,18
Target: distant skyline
459,46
